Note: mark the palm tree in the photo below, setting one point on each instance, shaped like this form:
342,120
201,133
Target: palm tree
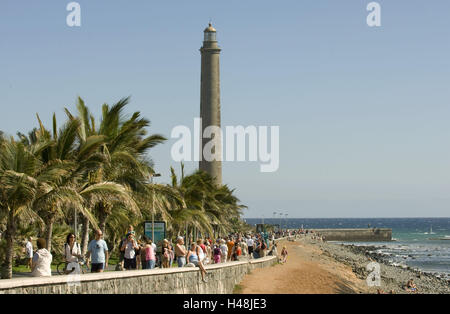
207,207
191,215
100,171
61,150
58,151
125,147
81,187
23,179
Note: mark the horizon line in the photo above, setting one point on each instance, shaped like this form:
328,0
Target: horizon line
344,217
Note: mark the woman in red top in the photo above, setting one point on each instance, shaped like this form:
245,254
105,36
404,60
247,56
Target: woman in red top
202,245
237,251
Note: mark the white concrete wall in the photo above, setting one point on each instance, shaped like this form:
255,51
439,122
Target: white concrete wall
222,278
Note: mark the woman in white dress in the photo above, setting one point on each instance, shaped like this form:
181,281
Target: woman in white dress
72,254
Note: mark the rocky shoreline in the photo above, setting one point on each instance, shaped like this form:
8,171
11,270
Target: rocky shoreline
393,278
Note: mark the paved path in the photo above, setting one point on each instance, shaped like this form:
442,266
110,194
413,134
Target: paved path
306,271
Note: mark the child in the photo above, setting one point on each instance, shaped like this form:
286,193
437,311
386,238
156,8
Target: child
284,254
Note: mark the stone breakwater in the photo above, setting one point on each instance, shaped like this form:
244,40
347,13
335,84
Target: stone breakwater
392,278
356,235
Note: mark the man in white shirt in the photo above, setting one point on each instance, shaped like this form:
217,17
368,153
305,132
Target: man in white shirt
29,251
250,244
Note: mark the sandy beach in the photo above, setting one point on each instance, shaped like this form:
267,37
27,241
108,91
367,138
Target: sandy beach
314,267
306,271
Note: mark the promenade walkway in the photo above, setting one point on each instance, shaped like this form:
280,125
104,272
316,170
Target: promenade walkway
306,271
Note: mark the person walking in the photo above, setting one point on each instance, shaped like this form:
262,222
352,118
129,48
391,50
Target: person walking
120,265
129,248
98,253
284,255
244,247
257,249
171,254
230,245
165,252
223,251
237,251
263,247
250,245
148,258
180,252
72,254
42,259
72,250
155,250
216,253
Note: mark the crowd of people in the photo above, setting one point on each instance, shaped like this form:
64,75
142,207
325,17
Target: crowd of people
141,253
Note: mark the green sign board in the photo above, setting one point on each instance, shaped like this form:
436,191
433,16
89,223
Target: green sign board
160,232
260,228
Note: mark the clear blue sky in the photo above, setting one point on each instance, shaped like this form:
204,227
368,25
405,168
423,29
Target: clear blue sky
363,112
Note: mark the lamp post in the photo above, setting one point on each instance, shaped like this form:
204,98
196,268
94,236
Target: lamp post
153,205
285,221
281,215
274,217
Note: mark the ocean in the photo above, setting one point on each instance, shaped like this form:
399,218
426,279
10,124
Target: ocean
420,243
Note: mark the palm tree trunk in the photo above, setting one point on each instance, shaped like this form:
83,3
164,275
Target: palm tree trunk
49,232
84,235
102,223
102,216
9,236
113,243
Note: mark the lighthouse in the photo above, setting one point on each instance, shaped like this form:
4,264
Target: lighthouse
210,105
